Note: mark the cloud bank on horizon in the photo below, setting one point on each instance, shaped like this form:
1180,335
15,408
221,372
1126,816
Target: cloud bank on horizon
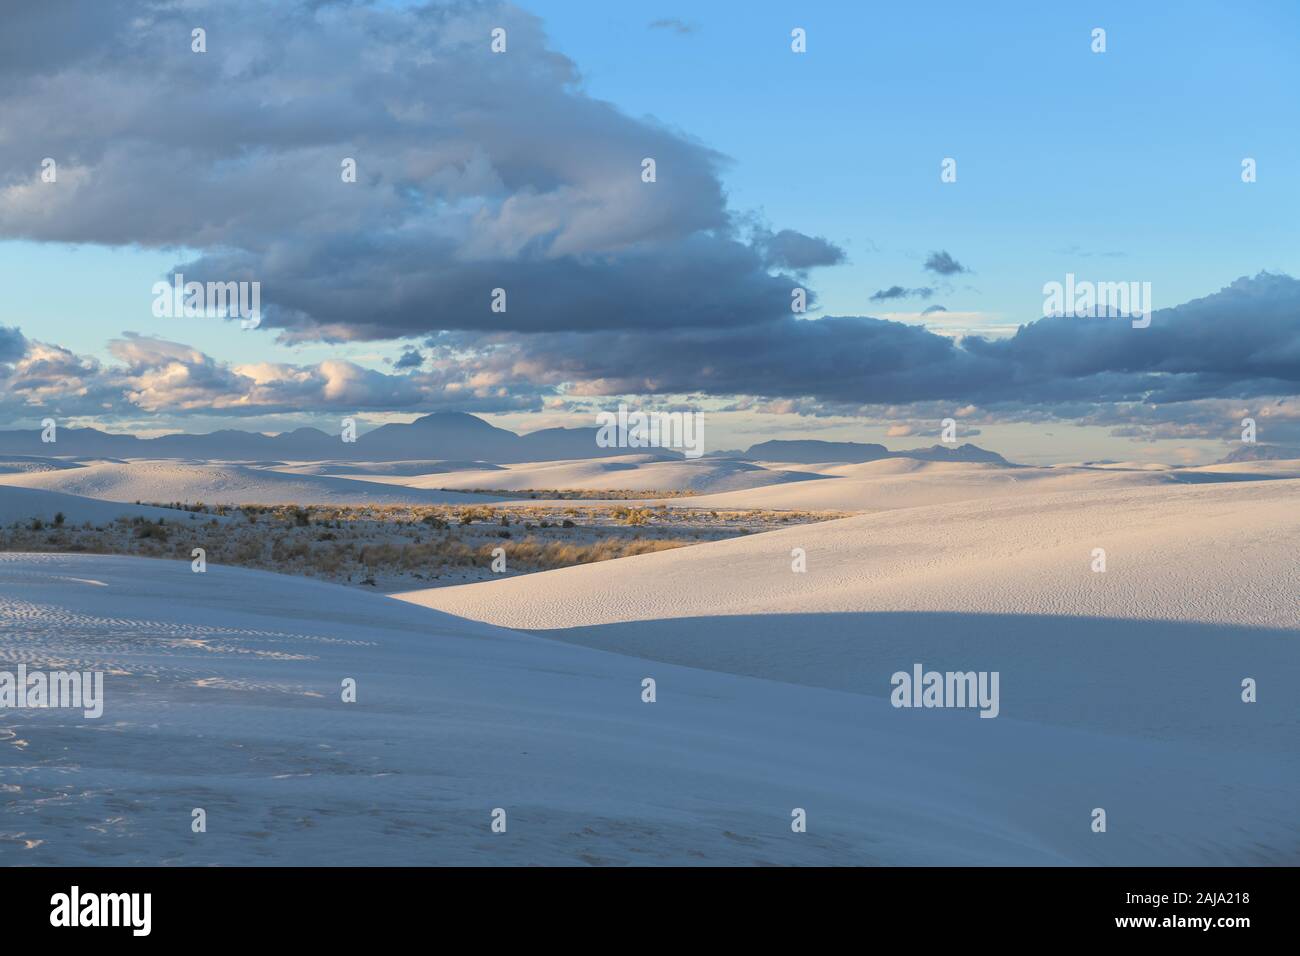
479,171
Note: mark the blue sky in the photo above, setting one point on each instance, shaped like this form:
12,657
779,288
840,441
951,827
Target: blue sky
1065,158
1117,166
1134,151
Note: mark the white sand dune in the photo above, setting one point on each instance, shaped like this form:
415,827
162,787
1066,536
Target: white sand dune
371,469
717,483
223,692
166,481
1266,469
1200,592
1220,553
1119,465
641,472
29,464
22,505
903,483
1118,690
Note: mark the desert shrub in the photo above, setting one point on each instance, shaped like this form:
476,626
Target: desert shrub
285,550
633,516
472,514
248,551
151,532
326,560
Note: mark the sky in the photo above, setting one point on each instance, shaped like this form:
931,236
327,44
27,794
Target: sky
774,170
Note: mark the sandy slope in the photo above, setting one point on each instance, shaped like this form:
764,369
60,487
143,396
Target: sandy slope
1283,468
902,483
223,693
718,483
27,464
166,481
373,469
621,473
828,486
1223,553
24,504
1200,591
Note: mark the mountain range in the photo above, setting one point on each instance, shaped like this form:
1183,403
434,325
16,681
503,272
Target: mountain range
1250,451
442,435
809,451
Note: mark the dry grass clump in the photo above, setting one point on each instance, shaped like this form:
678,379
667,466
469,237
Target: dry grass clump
419,543
530,553
402,545
582,494
633,516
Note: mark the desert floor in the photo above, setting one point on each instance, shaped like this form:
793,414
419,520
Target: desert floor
1119,689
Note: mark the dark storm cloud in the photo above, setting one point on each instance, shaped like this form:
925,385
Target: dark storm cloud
834,358
42,38
789,249
1196,367
478,171
1241,343
394,287
475,170
944,264
411,358
13,345
898,292
1243,340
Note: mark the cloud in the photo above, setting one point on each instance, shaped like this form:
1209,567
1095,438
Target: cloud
1205,365
944,264
157,377
478,172
679,27
13,345
789,249
411,358
1242,342
930,310
898,292
474,171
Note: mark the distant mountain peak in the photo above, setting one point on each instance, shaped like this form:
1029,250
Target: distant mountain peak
811,450
1250,451
454,419
456,436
